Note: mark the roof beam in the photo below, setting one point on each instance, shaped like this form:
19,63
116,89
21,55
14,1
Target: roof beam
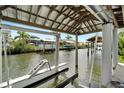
61,11
117,9
63,19
69,22
50,11
39,16
69,14
57,16
90,25
86,26
32,24
94,24
93,13
63,14
16,12
91,32
38,9
114,18
123,12
78,27
27,30
29,13
74,24
4,7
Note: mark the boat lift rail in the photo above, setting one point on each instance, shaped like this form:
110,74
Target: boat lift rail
38,67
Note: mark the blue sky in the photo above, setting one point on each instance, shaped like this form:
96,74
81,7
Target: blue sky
81,38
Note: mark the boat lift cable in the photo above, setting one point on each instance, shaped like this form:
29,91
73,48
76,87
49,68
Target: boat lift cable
92,61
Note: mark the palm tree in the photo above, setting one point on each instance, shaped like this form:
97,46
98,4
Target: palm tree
23,36
68,37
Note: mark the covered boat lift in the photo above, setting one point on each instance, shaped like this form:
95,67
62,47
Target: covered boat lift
72,19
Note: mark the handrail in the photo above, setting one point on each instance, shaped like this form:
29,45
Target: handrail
38,67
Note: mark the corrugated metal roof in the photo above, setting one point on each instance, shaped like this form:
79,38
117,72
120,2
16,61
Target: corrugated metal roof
72,19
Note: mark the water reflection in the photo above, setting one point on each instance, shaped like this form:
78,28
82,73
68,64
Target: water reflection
21,64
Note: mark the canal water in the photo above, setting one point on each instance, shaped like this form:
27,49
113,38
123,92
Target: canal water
21,64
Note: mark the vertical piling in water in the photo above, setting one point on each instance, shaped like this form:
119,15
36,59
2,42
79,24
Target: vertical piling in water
43,46
92,61
76,55
88,50
57,51
57,55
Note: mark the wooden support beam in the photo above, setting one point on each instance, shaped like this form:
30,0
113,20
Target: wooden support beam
78,22
60,12
69,22
57,16
28,30
74,24
123,12
94,24
39,16
32,24
91,27
77,30
91,32
4,7
29,13
86,26
119,9
50,11
70,14
93,13
113,15
63,19
38,9
16,12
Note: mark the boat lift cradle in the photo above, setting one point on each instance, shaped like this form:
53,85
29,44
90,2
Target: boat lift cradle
38,67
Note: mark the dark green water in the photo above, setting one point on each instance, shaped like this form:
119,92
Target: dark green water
21,64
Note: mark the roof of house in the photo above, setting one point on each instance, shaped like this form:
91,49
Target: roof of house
92,39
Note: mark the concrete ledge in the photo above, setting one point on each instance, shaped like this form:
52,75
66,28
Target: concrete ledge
119,72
